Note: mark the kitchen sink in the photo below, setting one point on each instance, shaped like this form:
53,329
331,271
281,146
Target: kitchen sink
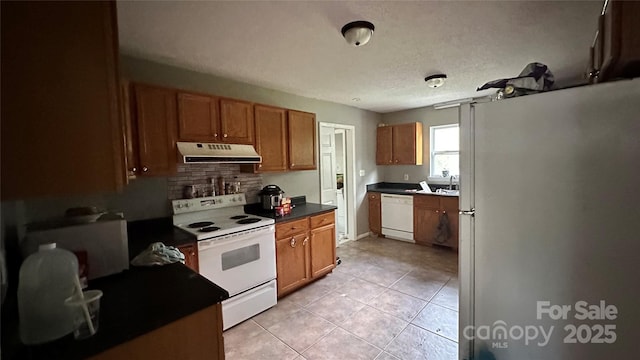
447,192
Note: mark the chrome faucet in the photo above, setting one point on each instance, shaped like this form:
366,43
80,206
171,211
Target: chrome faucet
451,182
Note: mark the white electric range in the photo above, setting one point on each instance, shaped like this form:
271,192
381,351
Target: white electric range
235,250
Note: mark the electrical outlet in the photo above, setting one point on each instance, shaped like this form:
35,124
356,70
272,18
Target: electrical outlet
406,176
361,172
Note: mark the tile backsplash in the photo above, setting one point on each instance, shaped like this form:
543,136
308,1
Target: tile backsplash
199,174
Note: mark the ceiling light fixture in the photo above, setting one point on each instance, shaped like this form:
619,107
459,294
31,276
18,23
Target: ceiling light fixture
358,33
434,81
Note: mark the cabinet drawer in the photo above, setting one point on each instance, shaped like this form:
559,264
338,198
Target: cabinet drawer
427,201
322,219
290,228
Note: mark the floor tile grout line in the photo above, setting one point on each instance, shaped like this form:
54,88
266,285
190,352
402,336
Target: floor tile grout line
435,333
307,348
272,334
321,337
395,337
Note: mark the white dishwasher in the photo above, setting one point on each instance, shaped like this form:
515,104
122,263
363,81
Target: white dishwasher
397,217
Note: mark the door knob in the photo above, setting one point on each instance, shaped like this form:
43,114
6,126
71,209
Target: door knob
145,169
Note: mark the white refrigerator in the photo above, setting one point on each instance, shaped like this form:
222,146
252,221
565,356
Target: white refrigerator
550,238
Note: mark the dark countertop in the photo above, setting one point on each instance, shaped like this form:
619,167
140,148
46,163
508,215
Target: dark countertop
299,211
403,189
144,232
394,188
135,302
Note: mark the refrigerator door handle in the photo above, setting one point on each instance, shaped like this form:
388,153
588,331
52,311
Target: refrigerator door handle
471,212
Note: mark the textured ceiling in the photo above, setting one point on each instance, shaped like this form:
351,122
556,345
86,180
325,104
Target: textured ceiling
297,47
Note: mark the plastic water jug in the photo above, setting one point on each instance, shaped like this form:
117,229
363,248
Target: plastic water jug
47,278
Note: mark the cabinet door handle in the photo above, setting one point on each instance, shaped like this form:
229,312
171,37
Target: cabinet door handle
396,160
306,240
292,164
225,135
215,135
145,169
293,242
260,165
134,169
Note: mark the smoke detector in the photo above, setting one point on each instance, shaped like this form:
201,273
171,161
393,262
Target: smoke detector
435,81
358,33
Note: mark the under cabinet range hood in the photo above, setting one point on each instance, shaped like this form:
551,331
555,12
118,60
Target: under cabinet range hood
218,153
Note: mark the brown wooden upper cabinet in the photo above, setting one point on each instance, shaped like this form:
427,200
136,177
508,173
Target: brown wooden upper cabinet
399,144
207,118
271,137
286,139
198,117
384,146
236,121
619,35
302,140
61,127
153,120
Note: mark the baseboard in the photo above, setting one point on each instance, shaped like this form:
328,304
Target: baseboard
362,236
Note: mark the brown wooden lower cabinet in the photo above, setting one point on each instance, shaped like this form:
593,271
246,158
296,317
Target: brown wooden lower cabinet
305,251
190,252
196,336
427,212
323,250
292,262
375,213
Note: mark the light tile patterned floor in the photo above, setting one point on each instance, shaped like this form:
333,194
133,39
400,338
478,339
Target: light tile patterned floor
387,300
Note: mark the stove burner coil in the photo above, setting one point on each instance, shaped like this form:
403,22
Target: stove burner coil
239,217
209,229
200,224
248,221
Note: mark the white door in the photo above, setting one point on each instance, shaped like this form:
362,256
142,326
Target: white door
328,179
328,183
556,199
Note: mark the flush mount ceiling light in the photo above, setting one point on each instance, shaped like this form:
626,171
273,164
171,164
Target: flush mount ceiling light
434,81
358,33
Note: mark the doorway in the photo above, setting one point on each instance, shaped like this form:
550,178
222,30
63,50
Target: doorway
337,176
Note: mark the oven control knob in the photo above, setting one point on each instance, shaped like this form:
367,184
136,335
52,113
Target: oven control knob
220,201
233,199
186,205
179,206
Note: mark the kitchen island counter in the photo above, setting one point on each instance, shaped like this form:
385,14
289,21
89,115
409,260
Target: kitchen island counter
135,302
